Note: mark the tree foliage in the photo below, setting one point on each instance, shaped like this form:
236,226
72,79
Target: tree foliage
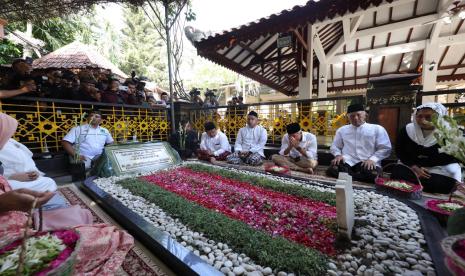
142,48
101,34
9,51
179,12
55,32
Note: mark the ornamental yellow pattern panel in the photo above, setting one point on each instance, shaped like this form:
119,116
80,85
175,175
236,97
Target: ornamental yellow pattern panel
42,125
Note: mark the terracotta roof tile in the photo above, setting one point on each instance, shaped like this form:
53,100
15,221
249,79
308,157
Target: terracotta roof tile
76,56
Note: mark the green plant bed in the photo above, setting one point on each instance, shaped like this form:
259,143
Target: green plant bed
276,252
263,182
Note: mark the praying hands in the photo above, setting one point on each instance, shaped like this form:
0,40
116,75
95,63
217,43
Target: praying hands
293,143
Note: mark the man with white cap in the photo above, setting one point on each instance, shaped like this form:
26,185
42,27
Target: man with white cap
250,143
360,147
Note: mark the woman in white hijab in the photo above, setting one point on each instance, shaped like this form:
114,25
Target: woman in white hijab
16,159
417,148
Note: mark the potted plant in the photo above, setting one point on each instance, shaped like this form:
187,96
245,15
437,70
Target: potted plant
182,141
450,137
451,141
77,166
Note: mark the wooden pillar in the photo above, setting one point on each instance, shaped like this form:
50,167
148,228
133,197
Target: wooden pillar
430,69
306,82
323,80
340,104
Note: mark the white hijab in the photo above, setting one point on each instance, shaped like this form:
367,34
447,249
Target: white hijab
414,131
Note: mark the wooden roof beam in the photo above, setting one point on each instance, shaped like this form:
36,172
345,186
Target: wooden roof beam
349,30
301,39
398,49
453,66
273,59
361,11
458,64
318,48
399,25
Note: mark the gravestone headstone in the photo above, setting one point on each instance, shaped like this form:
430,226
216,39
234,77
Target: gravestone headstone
133,158
345,205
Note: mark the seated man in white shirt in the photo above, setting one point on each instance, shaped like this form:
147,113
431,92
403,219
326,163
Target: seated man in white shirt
214,145
250,143
298,150
358,148
86,142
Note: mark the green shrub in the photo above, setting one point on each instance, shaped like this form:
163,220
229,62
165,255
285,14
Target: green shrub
275,252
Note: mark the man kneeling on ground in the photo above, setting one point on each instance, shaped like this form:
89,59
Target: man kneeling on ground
250,143
359,148
214,144
298,150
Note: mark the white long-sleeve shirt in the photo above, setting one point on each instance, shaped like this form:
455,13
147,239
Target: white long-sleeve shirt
308,144
218,144
357,144
251,139
17,158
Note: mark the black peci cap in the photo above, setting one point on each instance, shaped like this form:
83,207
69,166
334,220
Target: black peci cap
293,128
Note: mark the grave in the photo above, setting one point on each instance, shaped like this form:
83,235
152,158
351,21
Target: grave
146,207
135,158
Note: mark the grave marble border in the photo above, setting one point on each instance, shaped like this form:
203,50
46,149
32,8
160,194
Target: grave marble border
173,254
169,251
432,230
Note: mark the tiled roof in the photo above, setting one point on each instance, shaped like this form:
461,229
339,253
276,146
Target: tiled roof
76,56
251,49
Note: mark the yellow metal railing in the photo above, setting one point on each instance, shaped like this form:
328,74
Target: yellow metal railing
321,118
43,123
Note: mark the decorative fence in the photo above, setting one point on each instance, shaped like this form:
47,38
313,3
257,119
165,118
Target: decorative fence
454,100
321,117
42,123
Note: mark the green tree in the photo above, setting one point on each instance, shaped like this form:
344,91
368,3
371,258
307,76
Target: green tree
55,32
100,32
9,51
142,48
